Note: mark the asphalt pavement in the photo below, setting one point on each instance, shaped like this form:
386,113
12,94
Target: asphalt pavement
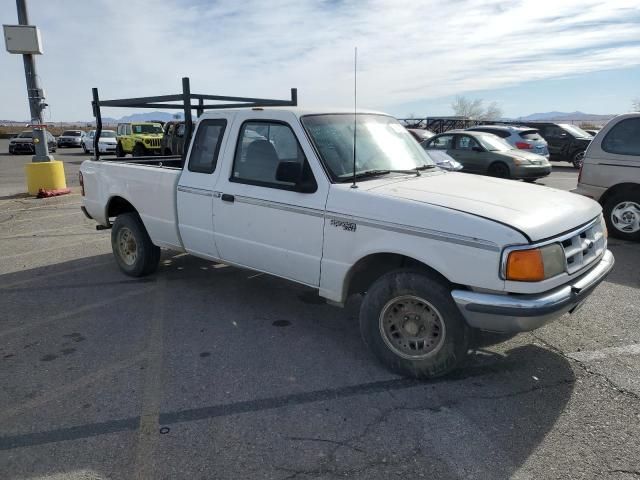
204,371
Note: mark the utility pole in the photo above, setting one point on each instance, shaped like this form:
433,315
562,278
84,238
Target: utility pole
35,94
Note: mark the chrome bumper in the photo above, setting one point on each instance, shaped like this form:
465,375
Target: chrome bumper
524,312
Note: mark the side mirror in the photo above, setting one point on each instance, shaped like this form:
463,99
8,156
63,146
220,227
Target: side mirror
290,172
477,149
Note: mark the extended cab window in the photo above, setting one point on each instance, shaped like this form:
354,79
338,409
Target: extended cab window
261,147
624,138
206,146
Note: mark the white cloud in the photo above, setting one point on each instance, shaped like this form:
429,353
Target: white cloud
408,50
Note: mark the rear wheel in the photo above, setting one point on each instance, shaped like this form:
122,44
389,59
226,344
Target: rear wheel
500,170
622,214
120,150
530,180
135,254
139,150
411,324
577,159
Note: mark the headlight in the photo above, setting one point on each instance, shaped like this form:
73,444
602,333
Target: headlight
534,265
146,140
521,161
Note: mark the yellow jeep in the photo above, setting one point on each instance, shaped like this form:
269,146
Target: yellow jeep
139,138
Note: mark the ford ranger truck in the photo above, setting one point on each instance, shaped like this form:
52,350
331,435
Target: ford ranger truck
435,254
139,139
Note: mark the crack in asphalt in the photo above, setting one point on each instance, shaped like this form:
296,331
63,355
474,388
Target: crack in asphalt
610,383
328,465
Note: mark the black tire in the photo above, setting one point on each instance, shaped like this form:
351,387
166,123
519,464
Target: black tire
135,254
577,159
530,180
84,148
499,170
615,223
119,150
443,348
139,150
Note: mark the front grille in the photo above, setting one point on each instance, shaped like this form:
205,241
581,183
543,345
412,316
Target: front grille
584,246
154,142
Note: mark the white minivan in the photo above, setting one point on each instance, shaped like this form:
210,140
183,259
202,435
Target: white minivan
611,175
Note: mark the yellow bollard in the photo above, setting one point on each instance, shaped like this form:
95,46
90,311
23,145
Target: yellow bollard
45,175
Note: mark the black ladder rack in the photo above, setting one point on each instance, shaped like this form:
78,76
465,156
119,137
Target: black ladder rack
186,105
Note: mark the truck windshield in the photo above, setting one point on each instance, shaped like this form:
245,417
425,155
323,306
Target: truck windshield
25,135
108,134
382,144
146,129
72,133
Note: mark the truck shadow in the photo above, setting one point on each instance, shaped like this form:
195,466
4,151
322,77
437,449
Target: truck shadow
264,364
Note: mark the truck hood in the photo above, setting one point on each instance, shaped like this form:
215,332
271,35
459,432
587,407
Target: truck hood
538,212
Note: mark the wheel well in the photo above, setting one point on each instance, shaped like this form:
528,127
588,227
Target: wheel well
619,188
368,269
498,162
118,205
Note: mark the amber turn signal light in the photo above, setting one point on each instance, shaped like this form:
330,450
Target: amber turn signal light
525,266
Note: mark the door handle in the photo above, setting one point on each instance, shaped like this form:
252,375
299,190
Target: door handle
227,198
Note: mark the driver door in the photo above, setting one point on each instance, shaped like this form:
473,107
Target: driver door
259,221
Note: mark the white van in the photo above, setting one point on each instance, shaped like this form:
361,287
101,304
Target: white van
611,175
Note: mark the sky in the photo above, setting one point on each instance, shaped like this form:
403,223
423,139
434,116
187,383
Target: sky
414,56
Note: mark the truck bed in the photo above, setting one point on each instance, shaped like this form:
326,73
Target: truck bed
148,183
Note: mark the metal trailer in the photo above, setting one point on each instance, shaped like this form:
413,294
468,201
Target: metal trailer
186,105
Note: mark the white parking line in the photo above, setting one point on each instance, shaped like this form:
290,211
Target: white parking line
633,349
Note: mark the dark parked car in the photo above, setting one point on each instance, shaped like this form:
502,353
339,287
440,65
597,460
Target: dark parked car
567,143
71,138
173,138
23,143
487,154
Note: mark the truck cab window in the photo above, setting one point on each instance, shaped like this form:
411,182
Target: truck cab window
261,147
206,146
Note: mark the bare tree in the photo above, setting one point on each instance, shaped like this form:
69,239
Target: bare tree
474,108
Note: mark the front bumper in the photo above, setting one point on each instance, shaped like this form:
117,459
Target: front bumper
21,148
524,312
69,143
531,171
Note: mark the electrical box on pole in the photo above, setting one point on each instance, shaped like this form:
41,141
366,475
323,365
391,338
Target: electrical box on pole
22,39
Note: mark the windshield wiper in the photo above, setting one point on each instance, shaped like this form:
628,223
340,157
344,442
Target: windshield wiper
377,172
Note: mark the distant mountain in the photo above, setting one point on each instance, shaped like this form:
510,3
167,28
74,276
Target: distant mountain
566,116
146,117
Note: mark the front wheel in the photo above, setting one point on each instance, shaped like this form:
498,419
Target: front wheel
622,215
410,322
139,150
577,159
119,150
135,254
500,170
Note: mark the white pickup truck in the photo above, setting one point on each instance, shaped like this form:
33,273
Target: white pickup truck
434,253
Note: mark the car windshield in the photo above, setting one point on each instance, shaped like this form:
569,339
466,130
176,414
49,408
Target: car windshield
147,128
25,135
108,134
382,144
493,143
575,131
72,133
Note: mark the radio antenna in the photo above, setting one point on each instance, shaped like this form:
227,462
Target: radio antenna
355,111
